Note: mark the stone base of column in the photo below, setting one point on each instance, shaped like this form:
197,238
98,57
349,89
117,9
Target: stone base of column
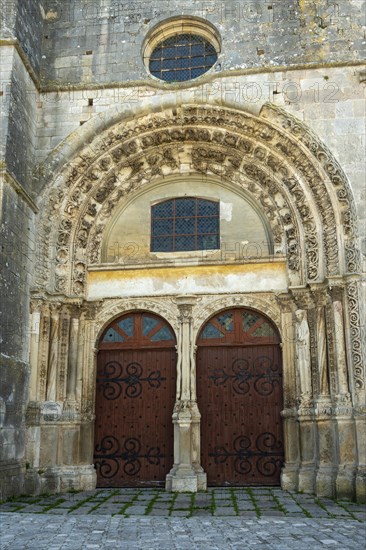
345,483
183,479
307,479
325,482
290,477
60,479
361,486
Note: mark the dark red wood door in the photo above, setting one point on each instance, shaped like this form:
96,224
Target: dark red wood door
135,394
239,392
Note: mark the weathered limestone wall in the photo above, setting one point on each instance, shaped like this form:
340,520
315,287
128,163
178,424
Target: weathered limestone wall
20,58
101,41
331,101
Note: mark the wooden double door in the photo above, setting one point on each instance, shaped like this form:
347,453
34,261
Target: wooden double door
135,395
239,393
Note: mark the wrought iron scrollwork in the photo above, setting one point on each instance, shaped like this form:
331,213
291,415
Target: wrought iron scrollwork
109,455
111,380
265,373
267,454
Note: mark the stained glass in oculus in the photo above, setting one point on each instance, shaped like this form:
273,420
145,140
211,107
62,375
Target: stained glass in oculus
182,57
185,224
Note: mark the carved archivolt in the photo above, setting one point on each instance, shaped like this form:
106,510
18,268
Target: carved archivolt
294,178
290,174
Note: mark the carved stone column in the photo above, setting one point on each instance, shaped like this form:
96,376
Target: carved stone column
355,322
306,412
326,472
53,354
345,479
187,473
290,472
35,325
72,359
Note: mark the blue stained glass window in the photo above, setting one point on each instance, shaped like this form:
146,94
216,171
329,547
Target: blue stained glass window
185,224
127,325
148,323
264,330
182,57
163,334
248,320
210,331
226,321
112,336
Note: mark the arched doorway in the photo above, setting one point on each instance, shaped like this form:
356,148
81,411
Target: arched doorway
239,394
135,394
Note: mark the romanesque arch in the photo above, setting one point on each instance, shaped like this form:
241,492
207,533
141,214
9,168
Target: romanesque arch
306,199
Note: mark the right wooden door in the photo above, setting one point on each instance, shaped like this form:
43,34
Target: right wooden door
239,393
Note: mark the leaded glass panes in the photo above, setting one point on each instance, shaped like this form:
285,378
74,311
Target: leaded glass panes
226,321
163,334
210,331
264,330
112,336
248,320
148,323
185,224
127,325
182,57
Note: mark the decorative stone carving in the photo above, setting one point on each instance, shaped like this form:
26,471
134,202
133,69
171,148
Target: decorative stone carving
275,148
303,360
357,340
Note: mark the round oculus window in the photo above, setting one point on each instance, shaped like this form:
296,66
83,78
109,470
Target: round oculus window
182,57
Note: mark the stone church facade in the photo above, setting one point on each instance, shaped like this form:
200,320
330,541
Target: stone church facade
183,253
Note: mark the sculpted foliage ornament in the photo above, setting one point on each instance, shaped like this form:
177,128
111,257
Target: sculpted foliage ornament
273,157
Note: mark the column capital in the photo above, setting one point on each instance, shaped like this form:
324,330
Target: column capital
303,297
286,302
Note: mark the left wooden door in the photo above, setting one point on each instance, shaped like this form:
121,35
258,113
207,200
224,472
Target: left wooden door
135,394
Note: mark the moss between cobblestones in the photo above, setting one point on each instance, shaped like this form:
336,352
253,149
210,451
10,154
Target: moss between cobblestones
280,506
343,506
175,496
323,507
124,508
150,506
53,505
234,501
306,512
80,504
254,502
113,493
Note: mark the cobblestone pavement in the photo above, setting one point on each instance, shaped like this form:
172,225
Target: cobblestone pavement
145,518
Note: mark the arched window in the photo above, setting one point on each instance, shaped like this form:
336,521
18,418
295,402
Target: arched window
185,224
